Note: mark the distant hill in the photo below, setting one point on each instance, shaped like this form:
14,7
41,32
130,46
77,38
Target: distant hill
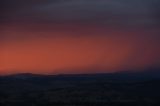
121,76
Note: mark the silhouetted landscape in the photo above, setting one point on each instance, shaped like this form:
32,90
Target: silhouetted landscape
112,89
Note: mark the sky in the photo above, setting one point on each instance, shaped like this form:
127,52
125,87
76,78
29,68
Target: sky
79,36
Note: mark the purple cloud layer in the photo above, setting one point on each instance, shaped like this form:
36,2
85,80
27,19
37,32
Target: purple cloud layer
119,12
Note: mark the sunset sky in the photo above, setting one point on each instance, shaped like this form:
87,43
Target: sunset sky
79,36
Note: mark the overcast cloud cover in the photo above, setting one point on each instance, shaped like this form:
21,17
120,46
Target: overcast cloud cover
56,34
121,12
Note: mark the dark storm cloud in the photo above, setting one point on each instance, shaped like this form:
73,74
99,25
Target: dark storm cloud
121,12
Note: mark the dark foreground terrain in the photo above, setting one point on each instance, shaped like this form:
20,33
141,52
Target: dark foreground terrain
79,90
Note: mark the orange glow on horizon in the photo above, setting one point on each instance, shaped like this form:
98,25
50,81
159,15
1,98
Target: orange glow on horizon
65,53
